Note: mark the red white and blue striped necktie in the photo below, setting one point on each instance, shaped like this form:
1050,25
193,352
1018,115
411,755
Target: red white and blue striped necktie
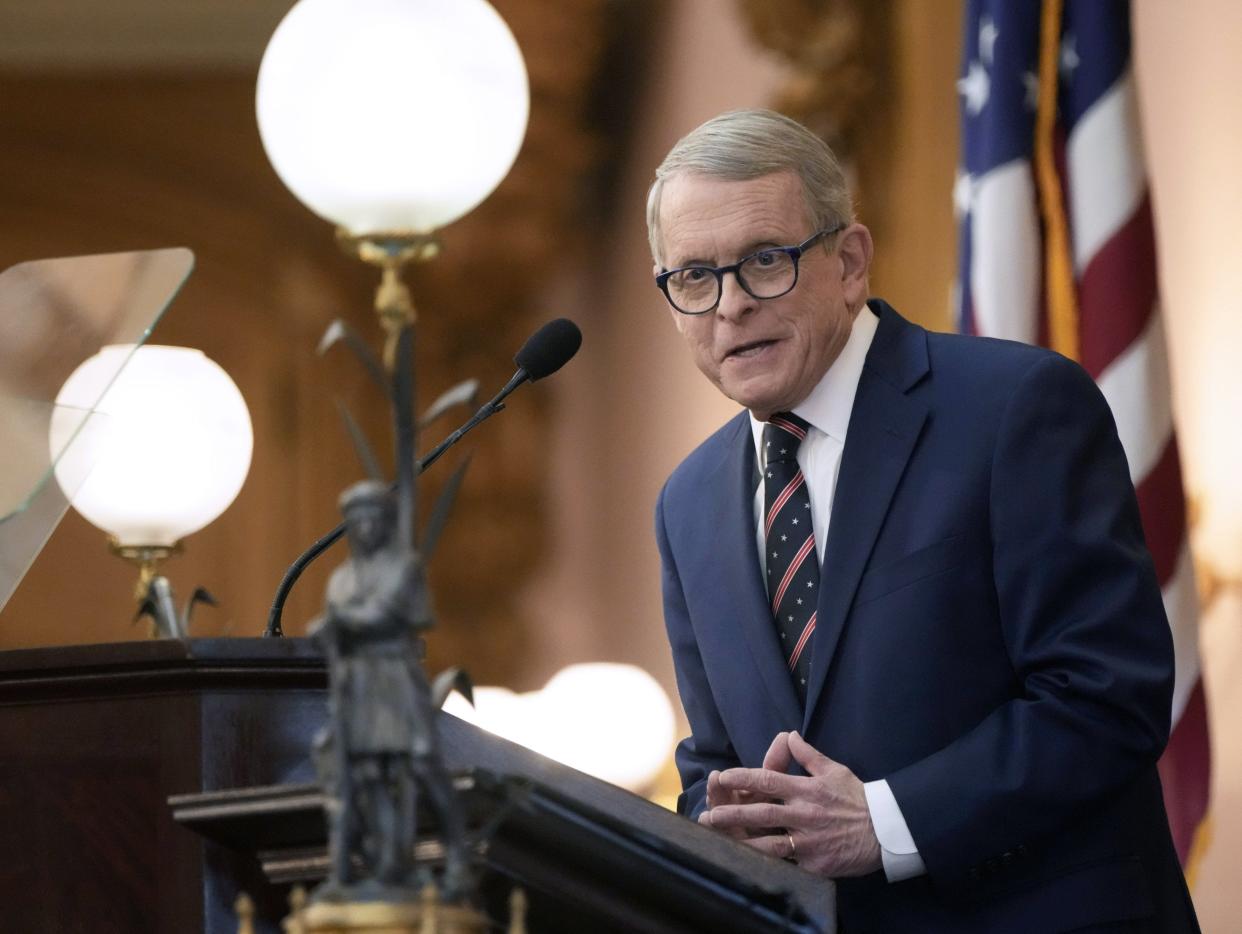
792,562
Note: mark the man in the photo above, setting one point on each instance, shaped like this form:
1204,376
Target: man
950,691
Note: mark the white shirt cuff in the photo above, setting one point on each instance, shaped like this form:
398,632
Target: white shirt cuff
897,850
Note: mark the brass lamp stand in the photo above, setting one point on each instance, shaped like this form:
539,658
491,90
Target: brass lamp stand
346,135
148,559
391,251
154,593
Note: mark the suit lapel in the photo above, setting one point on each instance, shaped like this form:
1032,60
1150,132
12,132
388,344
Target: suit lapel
883,429
743,598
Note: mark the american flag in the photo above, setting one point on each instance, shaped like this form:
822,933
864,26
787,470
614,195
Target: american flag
1056,247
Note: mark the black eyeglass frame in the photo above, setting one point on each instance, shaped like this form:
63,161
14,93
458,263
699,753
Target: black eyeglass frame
793,252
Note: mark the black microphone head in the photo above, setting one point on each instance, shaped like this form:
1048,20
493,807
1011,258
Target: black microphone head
549,348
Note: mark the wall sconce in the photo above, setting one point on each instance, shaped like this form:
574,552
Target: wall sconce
1216,541
164,452
390,119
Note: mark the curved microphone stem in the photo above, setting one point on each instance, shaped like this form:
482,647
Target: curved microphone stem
486,411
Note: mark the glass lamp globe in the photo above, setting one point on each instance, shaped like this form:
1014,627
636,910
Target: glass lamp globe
609,720
612,720
392,115
168,452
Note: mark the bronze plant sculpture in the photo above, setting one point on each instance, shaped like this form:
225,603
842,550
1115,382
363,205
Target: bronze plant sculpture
379,751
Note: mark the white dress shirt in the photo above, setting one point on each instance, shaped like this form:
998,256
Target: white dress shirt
827,411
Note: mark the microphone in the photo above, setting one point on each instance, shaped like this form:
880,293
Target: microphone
545,352
548,349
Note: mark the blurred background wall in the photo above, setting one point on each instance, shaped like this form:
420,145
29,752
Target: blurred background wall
130,125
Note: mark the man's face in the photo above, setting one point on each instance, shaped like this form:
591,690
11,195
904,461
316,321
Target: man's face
764,354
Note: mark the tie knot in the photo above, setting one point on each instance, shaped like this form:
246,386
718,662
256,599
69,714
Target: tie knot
782,434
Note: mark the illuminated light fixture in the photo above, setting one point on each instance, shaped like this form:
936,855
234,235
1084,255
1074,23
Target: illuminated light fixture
609,720
164,452
391,119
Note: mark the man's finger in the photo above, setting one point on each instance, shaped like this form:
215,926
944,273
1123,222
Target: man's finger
715,794
774,845
763,782
778,757
749,816
807,756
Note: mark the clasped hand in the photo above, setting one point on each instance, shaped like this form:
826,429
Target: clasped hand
820,820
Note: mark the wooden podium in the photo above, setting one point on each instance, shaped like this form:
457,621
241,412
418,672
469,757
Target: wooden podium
144,784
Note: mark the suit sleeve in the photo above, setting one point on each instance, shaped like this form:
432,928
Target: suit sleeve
707,748
1083,624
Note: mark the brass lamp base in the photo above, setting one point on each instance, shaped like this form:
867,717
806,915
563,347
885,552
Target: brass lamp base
426,916
148,558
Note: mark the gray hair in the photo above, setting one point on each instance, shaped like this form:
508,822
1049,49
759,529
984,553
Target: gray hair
745,144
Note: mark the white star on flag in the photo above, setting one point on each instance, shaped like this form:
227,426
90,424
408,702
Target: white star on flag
987,39
1069,55
1031,81
975,87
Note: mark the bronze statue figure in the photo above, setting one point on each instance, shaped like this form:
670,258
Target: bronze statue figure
378,752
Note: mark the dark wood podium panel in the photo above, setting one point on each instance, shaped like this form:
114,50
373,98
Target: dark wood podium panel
97,741
93,740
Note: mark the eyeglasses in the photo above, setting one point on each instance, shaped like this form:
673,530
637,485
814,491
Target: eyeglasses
770,273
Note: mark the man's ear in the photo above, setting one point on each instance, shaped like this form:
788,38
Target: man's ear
855,249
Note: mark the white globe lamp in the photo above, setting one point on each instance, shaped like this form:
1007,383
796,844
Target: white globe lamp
391,119
164,451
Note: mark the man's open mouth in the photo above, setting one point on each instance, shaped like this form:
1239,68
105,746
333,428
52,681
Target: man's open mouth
750,349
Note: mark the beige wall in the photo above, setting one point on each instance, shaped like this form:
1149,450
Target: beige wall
1188,65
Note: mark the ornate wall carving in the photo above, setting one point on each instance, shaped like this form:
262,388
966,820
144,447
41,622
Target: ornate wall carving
838,54
841,83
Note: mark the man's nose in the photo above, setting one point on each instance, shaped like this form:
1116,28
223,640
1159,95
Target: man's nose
735,301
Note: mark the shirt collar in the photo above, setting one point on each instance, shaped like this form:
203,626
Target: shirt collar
828,406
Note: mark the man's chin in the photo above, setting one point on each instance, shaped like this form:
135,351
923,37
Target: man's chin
761,405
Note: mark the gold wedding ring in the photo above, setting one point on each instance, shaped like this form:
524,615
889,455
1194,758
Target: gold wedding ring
793,850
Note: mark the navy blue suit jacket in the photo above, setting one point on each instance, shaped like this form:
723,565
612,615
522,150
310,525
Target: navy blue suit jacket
991,639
